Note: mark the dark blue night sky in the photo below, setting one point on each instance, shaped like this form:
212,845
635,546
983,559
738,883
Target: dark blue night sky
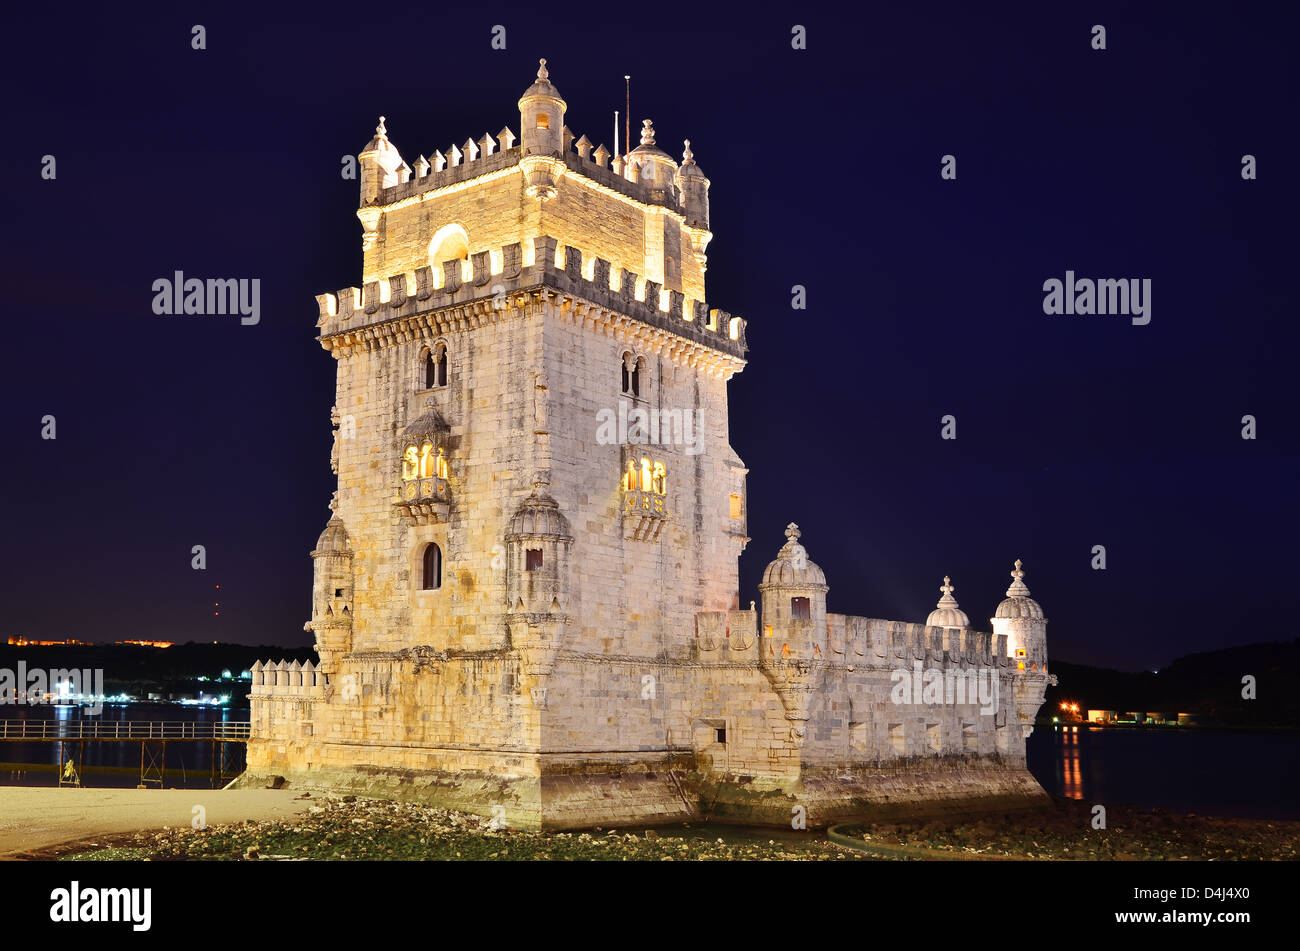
924,296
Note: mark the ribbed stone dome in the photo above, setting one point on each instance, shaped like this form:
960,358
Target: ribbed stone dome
1018,603
946,613
334,538
542,87
539,514
792,568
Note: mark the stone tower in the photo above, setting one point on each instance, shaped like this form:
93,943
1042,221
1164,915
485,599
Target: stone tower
526,599
490,537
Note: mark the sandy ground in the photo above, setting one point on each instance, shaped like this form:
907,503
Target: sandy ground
37,818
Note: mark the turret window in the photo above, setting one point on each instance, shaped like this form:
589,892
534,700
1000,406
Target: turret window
533,559
800,609
431,568
543,120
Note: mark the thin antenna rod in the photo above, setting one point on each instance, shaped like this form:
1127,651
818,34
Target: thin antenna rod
615,133
627,117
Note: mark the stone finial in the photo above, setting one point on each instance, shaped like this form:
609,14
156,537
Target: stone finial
1018,588
421,167
439,161
647,132
583,145
792,532
688,157
487,144
602,155
454,155
380,130
471,150
947,587
542,73
506,138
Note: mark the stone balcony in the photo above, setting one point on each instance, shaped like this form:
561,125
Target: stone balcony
424,501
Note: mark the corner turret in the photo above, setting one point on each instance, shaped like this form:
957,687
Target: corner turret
541,135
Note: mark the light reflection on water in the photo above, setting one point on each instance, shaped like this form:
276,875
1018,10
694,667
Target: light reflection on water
1203,771
189,765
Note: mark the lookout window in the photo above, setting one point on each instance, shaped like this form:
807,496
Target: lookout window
431,574
543,120
737,509
435,368
533,559
720,734
800,609
632,373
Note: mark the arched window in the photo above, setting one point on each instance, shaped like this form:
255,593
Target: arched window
633,373
431,576
435,367
449,243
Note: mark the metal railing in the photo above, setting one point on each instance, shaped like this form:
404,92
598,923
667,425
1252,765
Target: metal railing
123,730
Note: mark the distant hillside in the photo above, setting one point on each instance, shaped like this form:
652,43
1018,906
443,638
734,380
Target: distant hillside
1208,684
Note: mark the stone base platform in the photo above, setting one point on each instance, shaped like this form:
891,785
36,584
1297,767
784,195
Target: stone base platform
669,790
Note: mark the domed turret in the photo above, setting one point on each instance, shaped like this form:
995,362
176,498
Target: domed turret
538,540
380,162
946,613
695,190
331,608
541,135
1021,619
794,604
656,167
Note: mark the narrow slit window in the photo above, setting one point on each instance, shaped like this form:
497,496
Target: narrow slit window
432,568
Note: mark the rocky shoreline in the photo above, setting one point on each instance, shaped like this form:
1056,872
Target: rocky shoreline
350,829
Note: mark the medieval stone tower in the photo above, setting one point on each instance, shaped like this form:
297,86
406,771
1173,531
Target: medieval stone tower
526,601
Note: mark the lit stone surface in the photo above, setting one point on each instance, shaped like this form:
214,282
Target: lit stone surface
585,659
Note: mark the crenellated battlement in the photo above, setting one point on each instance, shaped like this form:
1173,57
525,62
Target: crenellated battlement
497,275
461,163
283,679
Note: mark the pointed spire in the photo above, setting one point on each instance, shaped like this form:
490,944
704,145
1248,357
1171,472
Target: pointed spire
647,132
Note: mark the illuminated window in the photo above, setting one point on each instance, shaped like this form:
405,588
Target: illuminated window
533,559
737,507
435,367
645,475
800,609
543,120
431,575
